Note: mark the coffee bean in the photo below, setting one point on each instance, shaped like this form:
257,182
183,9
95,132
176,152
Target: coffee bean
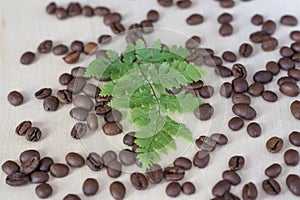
249,191
111,18
91,90
236,123
240,85
293,183
10,167
271,186
174,173
258,36
286,63
33,134
114,169
117,190
269,44
94,161
195,19
112,128
118,28
165,3
109,156
77,45
64,96
72,57
23,127
29,166
79,114
291,157
285,79
74,159
184,4
78,71
74,9
27,58
173,189
269,27
50,103
226,90
65,78
82,101
90,48
295,35
288,20
220,188
219,138
227,3
155,174
15,98
87,11
289,89
254,129
273,67
236,163
263,76
188,188
257,19
45,46
294,73
27,155
274,144
78,130
245,50
223,71
127,157
71,197
269,96
92,121
232,177
43,190
296,46
286,51
101,11
129,138
205,143
51,7
201,159
39,177
206,91
241,99
59,170
113,116
204,112
104,39
225,29
294,138
90,187
17,179
245,111
60,50
43,93
239,70
147,26
153,15
273,170
139,181
193,42
225,18
256,89
183,163
229,56
213,61
45,164
295,109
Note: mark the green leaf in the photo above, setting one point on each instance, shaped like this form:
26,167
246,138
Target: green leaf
142,52
129,54
179,51
187,102
112,55
96,68
170,102
143,97
108,89
140,116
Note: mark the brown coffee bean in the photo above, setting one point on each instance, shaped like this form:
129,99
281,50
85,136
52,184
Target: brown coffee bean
232,177
65,78
104,39
33,134
155,174
240,85
165,3
258,36
74,159
213,61
220,188
174,173
90,187
239,70
256,89
193,42
245,50
114,169
113,116
111,18
101,11
291,157
94,161
76,85
77,45
257,19
27,155
78,130
296,47
10,167
153,15
39,177
226,29
29,166
173,189
289,89
269,27
294,73
195,19
204,112
223,71
112,128
139,181
254,129
72,57
50,103
288,20
17,179
286,51
285,79
45,46
273,67
243,110
15,98
225,18
51,7
271,186
64,96
43,93
59,170
273,170
236,163
201,159
87,11
229,56
117,190
118,28
60,50
90,48
274,144
184,4
226,90
236,123
74,9
249,191
296,57
43,190
219,138
269,44
294,138
269,96
241,99
183,162
82,101
263,76
45,164
295,35
23,127
205,143
61,13
206,91
293,183
286,63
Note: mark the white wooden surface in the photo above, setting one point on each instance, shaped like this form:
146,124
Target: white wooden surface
23,24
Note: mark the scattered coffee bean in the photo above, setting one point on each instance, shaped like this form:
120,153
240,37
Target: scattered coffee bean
206,91
258,36
109,156
219,138
92,121
236,163
17,179
294,138
173,189
174,173
225,18
45,46
127,157
239,70
129,138
229,56
286,51
23,127
77,45
213,61
114,169
118,28
256,89
226,90
257,19
295,109
78,71
72,57
45,164
226,29
232,177
101,11
90,187
285,79
236,123
51,7
117,190
241,99
71,197
273,170
184,4
27,58
65,78
269,27
112,128
113,116
245,50
243,110
33,134
74,159
204,112
94,161
227,3
271,186
50,103
273,67
188,188
183,163
39,177
269,96
291,157
91,90
153,16
60,50
296,47
205,143
82,101
269,44
15,98
155,174
201,159
293,183
286,63
90,48
195,19
223,71
193,42
254,129
10,167
263,76
220,188
78,130
59,170
294,73
249,191
289,89
74,9
104,39
295,35
27,155
29,166
147,26
288,20
43,190
64,96
87,11
139,181
240,85
61,13
43,93
274,144
79,114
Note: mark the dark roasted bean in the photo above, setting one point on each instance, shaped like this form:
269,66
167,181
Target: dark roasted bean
232,177
127,157
74,9
288,20
257,19
226,90
204,112
59,170
243,110
258,36
74,159
94,161
51,7
254,129
183,162
201,159
77,46
236,163
188,188
236,123
72,57
293,183
226,29
33,134
223,71
249,191
45,46
65,78
87,11
269,27
10,167
114,169
295,109
45,164
206,91
60,50
294,73
101,11
225,18
289,89
109,156
64,96
174,173
39,177
239,70
193,42
112,128
263,76
61,13
139,181
286,51
220,188
90,187
153,15
291,157
17,179
269,96
286,63
245,50
295,35
104,39
273,67
285,79
271,186
296,46
294,138
219,138
23,127
184,4
256,89
155,174
43,190
27,155
240,85
15,98
173,189
269,44
274,144
273,170
195,19
43,93
117,190
50,103
78,130
229,56
29,166
241,99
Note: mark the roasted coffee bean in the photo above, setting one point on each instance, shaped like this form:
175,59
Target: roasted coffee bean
226,90
94,161
90,48
77,45
258,36
74,160
114,169
205,143
109,156
82,101
188,188
219,138
71,197
245,50
112,128
269,27
295,109
65,78
204,52
91,90
92,121
201,159
257,19
184,4
29,166
78,71
173,189
10,167
240,85
45,46
60,50
273,67
274,144
127,157
174,173
153,15
117,190
79,114
27,58
296,46
72,57
43,190
271,186
225,18
193,42
243,110
51,7
285,79
147,26
129,138
254,129
295,35
45,164
226,29
27,155
213,61
74,9
17,179
51,103
286,63
286,51
87,11
236,163
204,112
101,11
39,177
227,3
291,157
236,123
78,130
294,73
64,96
195,19
90,187
104,39
118,28
269,44
232,177
139,181
220,188
59,170
113,116
294,138
33,134
241,99
223,71
256,89
263,76
273,170
15,98
183,163
288,20
239,70
269,96
155,174
289,89
23,127
206,91
249,191
43,93
293,183
229,56
111,18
